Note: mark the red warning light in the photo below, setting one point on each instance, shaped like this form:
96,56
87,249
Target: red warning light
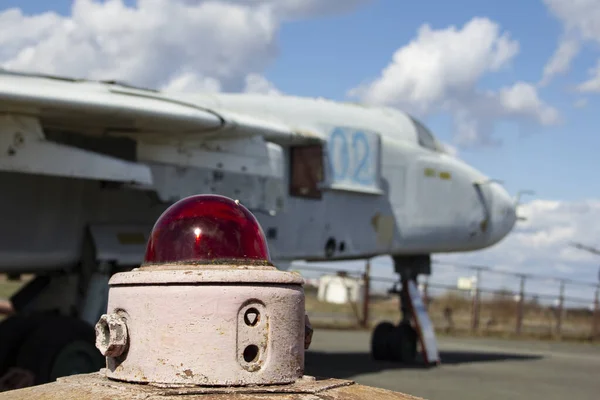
207,228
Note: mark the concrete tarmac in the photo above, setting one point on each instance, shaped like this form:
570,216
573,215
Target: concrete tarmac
481,369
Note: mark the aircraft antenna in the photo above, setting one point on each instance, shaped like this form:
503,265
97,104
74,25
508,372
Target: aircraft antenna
589,249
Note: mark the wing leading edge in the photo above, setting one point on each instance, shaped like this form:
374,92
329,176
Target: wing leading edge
34,108
100,107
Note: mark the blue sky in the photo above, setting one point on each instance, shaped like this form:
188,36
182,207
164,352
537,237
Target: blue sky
326,56
298,48
335,54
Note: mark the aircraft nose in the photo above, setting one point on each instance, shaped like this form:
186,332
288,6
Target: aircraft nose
504,214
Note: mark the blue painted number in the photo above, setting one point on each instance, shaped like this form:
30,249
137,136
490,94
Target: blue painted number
339,171
362,165
358,158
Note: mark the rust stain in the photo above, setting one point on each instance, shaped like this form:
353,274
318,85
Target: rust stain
483,225
375,221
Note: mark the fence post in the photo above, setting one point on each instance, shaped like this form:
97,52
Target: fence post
521,305
367,284
560,308
596,315
476,302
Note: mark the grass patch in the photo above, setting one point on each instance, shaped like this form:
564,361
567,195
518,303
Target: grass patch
497,318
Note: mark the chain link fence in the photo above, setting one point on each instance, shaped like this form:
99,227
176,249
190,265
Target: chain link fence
555,309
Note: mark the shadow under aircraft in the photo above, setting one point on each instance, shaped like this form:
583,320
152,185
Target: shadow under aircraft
346,365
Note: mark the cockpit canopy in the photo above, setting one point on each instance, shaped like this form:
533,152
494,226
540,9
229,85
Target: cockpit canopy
426,138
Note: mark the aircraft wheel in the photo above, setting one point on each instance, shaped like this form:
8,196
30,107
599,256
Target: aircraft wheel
60,346
13,332
380,341
403,343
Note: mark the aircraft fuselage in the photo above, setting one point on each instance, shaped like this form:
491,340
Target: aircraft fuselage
372,182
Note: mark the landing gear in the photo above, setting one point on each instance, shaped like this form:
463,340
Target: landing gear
51,333
399,342
46,346
60,346
394,343
403,344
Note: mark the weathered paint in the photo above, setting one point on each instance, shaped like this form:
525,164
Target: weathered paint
97,387
207,325
111,335
445,175
238,145
429,172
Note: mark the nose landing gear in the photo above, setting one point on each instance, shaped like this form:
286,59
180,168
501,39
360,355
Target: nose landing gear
399,342
396,342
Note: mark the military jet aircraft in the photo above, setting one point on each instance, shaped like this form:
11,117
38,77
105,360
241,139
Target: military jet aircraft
86,168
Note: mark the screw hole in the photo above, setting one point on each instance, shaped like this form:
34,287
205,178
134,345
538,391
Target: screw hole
251,353
251,316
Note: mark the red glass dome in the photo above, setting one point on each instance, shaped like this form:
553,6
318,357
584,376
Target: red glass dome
207,229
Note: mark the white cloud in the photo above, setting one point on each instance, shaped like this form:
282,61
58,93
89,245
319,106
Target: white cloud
293,9
439,71
522,99
259,84
561,60
579,16
580,103
142,45
439,63
192,83
593,84
581,21
182,45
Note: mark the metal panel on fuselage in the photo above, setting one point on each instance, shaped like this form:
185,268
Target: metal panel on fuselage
371,200
427,204
44,218
378,212
443,215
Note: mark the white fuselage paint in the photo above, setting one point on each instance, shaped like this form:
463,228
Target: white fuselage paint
422,200
422,214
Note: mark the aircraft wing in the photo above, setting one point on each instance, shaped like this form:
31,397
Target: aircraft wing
32,107
108,107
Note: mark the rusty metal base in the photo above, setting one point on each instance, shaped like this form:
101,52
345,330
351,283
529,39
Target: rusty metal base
96,386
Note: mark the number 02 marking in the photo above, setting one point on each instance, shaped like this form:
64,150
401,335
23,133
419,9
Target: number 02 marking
339,171
359,157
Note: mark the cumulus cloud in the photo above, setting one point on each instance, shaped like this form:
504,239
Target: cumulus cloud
581,21
439,70
560,61
294,9
522,99
439,63
141,43
256,83
579,16
192,83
